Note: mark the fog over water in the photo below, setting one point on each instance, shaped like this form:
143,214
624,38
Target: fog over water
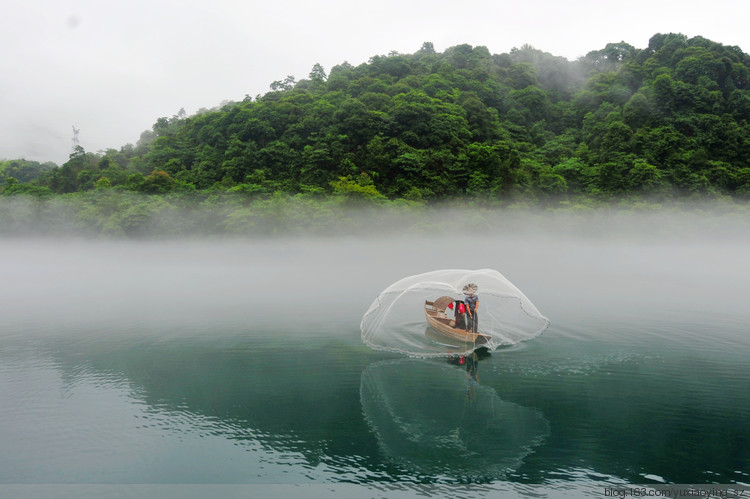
572,267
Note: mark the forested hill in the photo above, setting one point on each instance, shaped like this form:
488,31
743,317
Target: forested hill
667,120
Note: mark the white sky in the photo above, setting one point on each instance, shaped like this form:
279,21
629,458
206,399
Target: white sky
111,68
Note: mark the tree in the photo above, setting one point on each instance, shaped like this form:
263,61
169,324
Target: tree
358,191
285,85
318,74
427,49
158,182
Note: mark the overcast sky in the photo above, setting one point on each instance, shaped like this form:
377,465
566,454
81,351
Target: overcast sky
111,68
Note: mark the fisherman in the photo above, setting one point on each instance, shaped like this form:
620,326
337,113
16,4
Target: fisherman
472,305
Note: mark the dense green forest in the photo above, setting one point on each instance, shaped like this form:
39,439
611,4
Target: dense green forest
665,122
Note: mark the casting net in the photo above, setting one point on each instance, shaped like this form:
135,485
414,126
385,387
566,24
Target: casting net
396,320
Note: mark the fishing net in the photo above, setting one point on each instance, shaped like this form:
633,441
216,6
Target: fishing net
450,426
397,319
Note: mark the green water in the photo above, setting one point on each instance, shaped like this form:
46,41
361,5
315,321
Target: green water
241,363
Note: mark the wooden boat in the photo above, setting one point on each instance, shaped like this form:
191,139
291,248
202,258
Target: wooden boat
434,311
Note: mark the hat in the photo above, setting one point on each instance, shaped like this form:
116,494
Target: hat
470,288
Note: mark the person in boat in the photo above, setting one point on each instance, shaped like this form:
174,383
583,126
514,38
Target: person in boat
472,306
459,311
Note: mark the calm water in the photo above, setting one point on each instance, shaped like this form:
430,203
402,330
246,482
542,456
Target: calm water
241,362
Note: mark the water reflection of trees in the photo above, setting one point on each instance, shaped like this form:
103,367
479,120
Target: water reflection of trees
613,414
301,400
310,400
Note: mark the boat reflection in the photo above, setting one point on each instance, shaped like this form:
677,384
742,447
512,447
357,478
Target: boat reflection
470,362
442,423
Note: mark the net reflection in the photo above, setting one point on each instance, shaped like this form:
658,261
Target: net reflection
430,418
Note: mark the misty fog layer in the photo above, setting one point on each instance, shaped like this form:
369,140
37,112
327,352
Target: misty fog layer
223,361
575,270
